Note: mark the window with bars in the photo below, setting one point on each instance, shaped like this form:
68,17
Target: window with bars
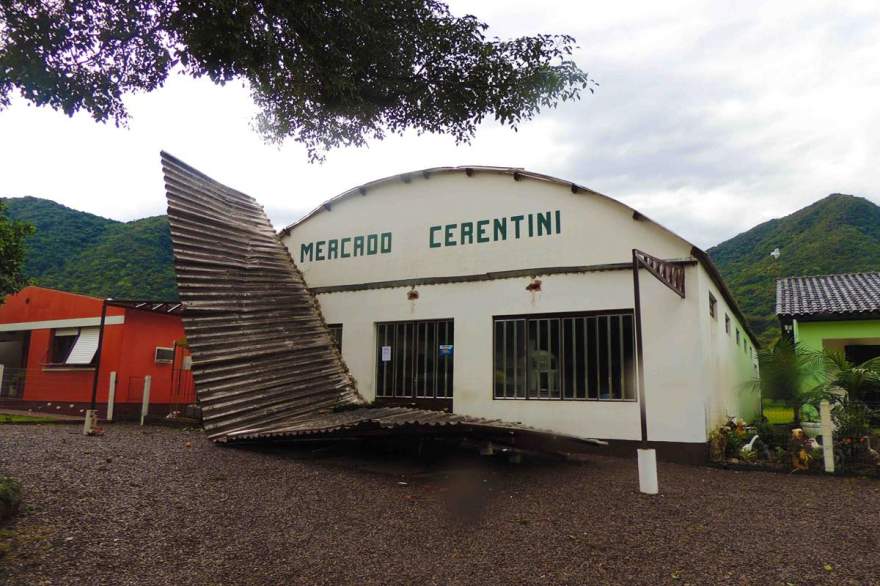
415,359
584,356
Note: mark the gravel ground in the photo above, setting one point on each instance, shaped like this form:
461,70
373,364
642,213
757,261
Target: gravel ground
164,506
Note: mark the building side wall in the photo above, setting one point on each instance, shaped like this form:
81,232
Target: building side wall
143,332
834,335
729,368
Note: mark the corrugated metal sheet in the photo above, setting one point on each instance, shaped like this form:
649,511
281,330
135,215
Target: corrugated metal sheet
264,361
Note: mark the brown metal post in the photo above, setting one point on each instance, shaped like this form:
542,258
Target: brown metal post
98,353
637,302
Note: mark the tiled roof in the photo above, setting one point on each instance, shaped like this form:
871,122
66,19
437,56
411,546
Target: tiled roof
850,293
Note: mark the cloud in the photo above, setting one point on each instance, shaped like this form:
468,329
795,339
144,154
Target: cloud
710,118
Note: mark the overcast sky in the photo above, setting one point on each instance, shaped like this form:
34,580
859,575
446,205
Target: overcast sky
711,117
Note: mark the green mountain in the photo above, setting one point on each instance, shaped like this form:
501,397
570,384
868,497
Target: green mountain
83,253
837,234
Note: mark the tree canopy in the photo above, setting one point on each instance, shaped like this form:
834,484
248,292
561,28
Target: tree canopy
12,250
327,73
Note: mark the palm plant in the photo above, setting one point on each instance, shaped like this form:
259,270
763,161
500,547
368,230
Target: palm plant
791,374
856,380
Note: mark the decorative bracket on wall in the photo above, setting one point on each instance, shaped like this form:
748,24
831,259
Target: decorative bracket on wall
670,274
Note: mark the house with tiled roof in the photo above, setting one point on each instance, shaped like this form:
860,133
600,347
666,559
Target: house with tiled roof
832,312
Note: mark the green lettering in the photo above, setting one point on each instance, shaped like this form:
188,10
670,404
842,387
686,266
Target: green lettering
431,241
481,231
544,224
372,244
332,249
531,225
385,242
305,249
500,228
467,231
448,233
358,246
319,250
558,222
342,253
516,220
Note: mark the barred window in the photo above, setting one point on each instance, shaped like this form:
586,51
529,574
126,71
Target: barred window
415,359
583,356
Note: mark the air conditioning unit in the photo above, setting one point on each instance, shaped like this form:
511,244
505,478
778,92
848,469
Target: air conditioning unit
164,355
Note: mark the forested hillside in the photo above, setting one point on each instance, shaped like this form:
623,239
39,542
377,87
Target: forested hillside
837,234
80,252
84,253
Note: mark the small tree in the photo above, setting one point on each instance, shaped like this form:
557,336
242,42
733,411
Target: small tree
791,374
12,249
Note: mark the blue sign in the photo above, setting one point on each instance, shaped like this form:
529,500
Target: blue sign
445,350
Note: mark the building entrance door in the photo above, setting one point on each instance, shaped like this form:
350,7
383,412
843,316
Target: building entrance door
415,362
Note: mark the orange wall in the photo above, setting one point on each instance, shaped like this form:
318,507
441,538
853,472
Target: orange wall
128,349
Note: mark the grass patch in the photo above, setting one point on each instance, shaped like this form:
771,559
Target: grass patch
778,414
13,419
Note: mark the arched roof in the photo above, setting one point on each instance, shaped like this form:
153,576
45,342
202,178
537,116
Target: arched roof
518,174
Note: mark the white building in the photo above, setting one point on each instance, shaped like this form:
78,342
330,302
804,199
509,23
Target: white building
500,293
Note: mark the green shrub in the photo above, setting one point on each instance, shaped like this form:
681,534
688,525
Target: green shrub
10,497
852,419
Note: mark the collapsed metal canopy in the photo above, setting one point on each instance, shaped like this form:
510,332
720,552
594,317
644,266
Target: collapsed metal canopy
264,362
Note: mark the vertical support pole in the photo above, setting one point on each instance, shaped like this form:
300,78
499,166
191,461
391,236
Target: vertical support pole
647,457
145,404
91,419
98,355
2,369
827,435
111,396
637,308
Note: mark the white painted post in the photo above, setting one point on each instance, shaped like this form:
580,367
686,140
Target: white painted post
648,471
90,422
146,402
111,395
827,435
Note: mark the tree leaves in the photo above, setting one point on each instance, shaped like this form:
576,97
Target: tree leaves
12,251
326,73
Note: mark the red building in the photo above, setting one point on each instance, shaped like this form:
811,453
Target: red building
49,350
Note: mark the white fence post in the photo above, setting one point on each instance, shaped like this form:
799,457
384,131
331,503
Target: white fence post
827,435
146,402
111,395
648,471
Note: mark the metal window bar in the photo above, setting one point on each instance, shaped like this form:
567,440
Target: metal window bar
417,370
566,358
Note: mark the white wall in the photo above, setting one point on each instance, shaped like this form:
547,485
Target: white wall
595,230
729,368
